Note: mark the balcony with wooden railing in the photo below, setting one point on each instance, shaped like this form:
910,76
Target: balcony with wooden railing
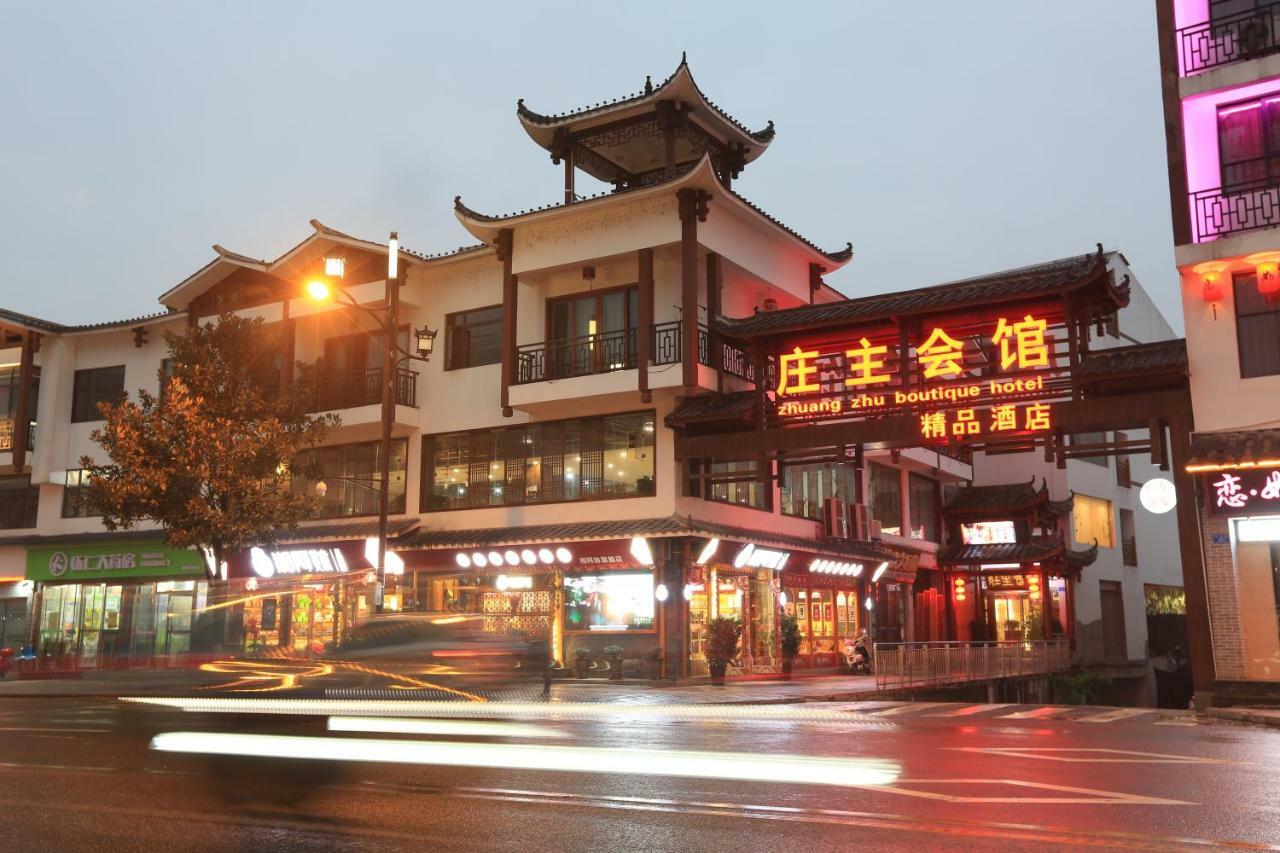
607,352
351,389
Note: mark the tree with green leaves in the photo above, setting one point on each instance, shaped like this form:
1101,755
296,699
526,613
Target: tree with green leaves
211,459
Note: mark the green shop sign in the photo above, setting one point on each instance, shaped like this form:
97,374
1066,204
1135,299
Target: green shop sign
89,563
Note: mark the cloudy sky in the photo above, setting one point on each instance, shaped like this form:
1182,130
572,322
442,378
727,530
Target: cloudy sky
943,139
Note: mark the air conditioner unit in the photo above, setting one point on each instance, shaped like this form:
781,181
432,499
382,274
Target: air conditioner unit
835,518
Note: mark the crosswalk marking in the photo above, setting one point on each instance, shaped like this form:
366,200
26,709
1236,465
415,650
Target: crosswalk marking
972,709
1116,714
1036,714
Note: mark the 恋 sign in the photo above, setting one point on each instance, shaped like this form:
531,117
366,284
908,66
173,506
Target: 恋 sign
1248,492
89,563
990,382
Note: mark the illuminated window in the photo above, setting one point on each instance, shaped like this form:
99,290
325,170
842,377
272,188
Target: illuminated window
738,483
1092,517
988,533
618,601
350,473
884,487
1257,329
570,460
1249,144
807,487
473,338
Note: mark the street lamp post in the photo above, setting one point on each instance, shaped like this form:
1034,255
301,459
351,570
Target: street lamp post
392,356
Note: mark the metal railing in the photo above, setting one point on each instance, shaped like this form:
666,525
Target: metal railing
602,353
352,388
1218,212
937,664
1228,38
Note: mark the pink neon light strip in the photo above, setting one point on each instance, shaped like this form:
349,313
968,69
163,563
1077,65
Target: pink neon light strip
1240,109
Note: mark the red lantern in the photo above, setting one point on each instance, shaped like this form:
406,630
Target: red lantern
1266,269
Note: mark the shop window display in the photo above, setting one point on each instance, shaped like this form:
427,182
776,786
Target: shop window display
619,601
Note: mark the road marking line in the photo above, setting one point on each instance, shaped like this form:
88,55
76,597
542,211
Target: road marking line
1176,723
1128,756
1113,716
1036,714
970,710
1099,796
904,709
404,726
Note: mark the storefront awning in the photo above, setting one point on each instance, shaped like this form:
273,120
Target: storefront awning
1227,451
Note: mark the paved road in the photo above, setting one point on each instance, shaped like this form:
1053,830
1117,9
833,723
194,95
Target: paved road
76,775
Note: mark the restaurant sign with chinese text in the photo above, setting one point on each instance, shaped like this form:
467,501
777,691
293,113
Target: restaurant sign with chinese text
1249,492
968,381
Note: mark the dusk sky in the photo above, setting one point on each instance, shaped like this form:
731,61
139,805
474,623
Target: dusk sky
944,140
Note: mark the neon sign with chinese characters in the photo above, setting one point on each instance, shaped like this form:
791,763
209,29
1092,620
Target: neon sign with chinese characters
1251,492
937,379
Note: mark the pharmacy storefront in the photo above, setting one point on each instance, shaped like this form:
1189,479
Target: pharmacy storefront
114,604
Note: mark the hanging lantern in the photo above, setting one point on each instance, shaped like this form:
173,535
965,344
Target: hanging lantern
1210,273
1266,269
960,589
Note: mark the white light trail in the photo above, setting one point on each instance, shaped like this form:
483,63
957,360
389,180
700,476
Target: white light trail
403,726
740,766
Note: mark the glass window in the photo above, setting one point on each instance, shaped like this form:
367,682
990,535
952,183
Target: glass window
619,601
1257,329
98,385
593,332
885,496
738,482
350,476
581,459
18,500
1093,521
73,496
925,521
807,487
988,532
473,338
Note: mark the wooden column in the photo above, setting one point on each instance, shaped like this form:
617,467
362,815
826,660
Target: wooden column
715,284
815,281
1171,103
508,319
568,176
22,412
1199,635
288,330
693,209
644,342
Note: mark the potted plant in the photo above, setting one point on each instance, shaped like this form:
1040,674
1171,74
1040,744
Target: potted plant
614,654
790,627
655,662
722,646
581,661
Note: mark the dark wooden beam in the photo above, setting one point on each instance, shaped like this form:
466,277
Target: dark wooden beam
1171,103
1199,634
503,247
644,345
22,412
815,281
288,335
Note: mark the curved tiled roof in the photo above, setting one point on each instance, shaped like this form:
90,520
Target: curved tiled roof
713,407
1006,497
650,93
50,326
1238,449
1024,282
1139,358
1035,551
840,256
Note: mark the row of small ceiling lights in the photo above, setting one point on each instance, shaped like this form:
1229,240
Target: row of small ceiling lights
831,567
527,556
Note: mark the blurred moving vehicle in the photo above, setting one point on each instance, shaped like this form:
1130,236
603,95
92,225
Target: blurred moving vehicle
453,650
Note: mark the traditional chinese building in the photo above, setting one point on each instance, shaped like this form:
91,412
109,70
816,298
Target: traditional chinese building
1220,70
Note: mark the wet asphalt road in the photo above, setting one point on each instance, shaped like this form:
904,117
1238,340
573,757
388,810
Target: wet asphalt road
76,774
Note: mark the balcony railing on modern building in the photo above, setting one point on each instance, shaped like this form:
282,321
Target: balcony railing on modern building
1229,38
603,353
8,429
1217,213
938,664
352,388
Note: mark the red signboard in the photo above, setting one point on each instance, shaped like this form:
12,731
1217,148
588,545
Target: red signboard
973,379
1248,492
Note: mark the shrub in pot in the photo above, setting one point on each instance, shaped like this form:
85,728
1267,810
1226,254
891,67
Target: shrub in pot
655,662
790,627
581,661
614,654
722,646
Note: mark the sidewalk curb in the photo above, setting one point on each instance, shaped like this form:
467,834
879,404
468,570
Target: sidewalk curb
1255,716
